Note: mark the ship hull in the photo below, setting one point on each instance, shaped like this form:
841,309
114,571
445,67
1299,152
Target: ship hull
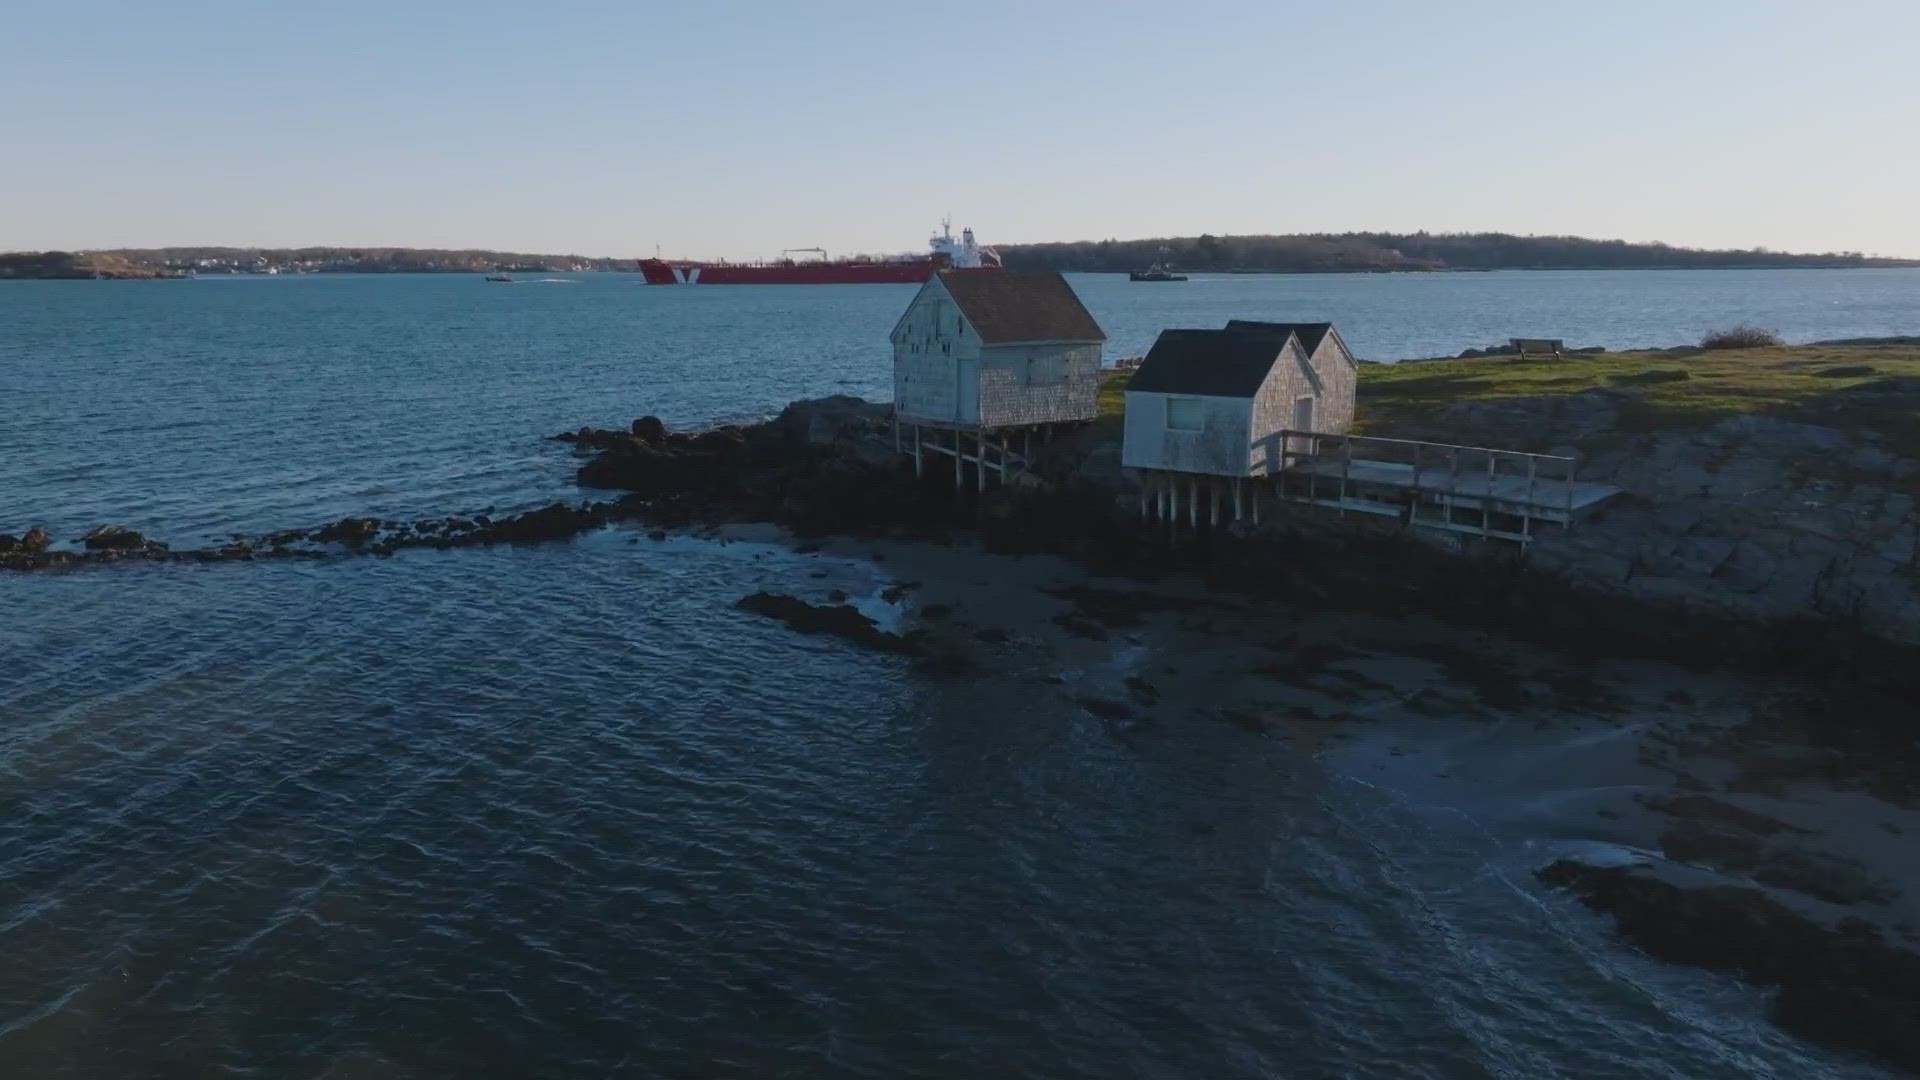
663,272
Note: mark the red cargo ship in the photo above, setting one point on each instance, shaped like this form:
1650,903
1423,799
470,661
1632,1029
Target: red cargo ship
946,252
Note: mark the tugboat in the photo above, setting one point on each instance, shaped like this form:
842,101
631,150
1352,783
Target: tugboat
506,278
1156,272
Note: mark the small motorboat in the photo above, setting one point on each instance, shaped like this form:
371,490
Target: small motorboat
505,278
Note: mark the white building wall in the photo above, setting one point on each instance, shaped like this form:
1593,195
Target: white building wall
943,373
935,360
1219,448
1241,436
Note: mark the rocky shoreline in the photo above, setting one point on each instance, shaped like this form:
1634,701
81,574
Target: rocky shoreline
1843,986
1835,715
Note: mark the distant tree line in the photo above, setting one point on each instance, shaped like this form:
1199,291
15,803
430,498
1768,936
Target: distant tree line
362,260
1376,252
69,264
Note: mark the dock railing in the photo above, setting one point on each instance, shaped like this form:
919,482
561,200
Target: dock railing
1468,489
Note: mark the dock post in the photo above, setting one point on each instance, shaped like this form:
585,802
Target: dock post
919,461
1346,467
980,460
1238,509
1526,518
1486,504
1453,482
1413,497
959,464
1193,502
1571,463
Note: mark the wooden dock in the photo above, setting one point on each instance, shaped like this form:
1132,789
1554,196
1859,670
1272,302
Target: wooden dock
1466,489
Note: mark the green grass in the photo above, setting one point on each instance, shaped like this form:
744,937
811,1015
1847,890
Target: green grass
1659,391
1113,393
1649,390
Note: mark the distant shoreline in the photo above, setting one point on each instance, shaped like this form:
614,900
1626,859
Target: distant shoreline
8,273
1293,253
1901,265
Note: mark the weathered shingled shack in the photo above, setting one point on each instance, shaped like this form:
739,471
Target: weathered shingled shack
991,356
1214,402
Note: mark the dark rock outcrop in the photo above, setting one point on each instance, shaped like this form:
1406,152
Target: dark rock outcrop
659,473
1846,988
649,429
1107,709
114,538
35,541
557,521
820,467
348,531
836,620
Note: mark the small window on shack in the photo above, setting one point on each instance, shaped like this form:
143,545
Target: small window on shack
1185,414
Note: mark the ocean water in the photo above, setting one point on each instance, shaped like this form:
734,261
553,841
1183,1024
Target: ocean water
560,811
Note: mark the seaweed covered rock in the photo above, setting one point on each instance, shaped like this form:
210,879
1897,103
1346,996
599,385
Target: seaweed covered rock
1844,988
836,620
113,538
557,521
348,531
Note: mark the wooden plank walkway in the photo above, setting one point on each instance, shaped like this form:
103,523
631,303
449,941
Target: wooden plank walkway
1466,489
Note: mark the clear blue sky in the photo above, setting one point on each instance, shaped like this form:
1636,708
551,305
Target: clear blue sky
714,128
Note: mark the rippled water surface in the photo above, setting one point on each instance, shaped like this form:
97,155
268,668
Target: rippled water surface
560,810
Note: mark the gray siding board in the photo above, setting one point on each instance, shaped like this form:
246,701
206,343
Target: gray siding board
1039,384
943,373
1241,436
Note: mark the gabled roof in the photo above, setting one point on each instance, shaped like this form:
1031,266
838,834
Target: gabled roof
1007,307
1311,334
1213,363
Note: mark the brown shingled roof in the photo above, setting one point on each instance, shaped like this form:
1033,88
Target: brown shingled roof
1007,306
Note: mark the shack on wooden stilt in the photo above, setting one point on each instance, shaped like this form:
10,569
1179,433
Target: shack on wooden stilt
1207,413
988,363
1219,421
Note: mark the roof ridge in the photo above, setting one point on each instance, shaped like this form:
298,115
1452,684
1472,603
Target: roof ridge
1012,306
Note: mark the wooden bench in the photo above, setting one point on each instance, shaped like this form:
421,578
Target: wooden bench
1539,346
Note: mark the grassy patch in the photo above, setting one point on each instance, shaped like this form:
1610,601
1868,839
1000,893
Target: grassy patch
1113,392
1656,391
